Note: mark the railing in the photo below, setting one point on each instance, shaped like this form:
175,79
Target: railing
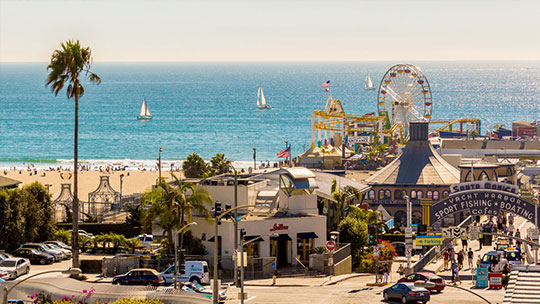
432,253
342,253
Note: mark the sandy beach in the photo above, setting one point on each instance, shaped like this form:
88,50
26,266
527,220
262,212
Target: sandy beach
133,181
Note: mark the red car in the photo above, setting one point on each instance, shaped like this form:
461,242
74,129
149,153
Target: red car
426,277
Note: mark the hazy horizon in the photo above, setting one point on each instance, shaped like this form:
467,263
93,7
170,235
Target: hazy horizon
273,31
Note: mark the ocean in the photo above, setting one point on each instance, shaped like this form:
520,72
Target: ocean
210,108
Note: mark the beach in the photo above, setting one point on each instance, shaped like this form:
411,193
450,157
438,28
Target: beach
132,182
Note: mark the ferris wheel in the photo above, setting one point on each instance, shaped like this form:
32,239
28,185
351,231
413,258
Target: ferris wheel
404,95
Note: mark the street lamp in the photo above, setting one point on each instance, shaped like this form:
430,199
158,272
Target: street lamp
254,158
431,285
6,290
159,163
176,250
242,232
121,180
217,217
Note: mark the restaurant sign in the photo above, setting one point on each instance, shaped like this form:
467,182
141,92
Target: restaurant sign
277,227
482,202
484,185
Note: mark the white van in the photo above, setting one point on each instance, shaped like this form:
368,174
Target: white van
196,271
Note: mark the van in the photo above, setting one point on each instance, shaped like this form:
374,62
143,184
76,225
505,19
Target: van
195,272
146,240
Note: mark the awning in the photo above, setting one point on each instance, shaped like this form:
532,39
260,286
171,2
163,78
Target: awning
212,238
307,235
253,238
281,237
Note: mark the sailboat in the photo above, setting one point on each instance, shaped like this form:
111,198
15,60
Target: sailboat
368,84
145,114
261,101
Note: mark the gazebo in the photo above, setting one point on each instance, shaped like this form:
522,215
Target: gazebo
103,199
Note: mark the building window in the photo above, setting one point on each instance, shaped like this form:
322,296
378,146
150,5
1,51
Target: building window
419,194
371,194
413,194
445,194
509,171
253,249
435,195
429,194
494,176
398,194
381,194
483,176
304,247
387,194
469,177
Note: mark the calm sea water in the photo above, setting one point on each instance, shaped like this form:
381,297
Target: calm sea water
210,107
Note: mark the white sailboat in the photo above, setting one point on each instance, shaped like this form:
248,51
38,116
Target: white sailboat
368,84
261,100
144,114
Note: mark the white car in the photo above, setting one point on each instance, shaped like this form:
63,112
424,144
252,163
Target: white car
15,267
194,271
66,253
146,240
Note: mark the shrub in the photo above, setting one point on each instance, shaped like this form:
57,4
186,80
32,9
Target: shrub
62,235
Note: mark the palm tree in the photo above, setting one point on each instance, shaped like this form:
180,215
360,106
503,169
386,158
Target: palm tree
194,166
220,164
342,196
66,66
171,206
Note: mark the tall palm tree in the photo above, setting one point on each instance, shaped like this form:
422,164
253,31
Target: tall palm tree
195,166
68,65
171,206
342,196
220,164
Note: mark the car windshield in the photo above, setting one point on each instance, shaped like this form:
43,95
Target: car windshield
53,246
487,258
46,247
7,264
63,244
35,251
512,256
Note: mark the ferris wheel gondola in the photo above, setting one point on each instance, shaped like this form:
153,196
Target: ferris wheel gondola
404,95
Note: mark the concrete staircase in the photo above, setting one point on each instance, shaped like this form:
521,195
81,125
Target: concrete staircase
524,285
265,202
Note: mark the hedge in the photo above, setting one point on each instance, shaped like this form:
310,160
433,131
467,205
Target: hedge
96,228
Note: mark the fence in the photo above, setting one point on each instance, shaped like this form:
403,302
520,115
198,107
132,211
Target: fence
433,252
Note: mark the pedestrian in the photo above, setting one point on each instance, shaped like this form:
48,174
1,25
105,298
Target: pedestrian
456,273
464,242
103,267
446,256
518,235
511,219
453,268
470,256
480,238
478,261
400,269
385,270
460,257
379,274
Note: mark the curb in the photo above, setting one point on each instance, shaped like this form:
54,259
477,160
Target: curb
345,278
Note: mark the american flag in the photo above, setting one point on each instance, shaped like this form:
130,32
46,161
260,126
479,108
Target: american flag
284,153
326,84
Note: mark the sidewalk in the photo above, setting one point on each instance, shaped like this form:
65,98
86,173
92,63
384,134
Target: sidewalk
304,281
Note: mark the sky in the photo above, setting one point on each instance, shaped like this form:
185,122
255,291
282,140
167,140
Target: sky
280,30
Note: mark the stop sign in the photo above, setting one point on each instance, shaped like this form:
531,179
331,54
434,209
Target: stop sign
330,245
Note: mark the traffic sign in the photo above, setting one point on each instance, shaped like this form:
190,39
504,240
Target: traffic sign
473,232
453,232
330,245
408,232
429,240
235,251
376,251
408,251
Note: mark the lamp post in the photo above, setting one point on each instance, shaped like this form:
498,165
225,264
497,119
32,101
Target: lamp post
159,163
217,218
176,251
121,180
6,290
235,217
254,158
409,220
242,232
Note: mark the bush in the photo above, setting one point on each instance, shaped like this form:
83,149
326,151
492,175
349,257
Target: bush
62,235
366,265
124,229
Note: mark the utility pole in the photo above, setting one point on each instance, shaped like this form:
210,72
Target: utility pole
254,158
409,229
286,146
121,180
236,224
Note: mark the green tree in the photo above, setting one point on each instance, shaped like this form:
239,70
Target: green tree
195,167
62,235
134,217
132,244
172,206
353,230
342,197
66,66
12,220
219,164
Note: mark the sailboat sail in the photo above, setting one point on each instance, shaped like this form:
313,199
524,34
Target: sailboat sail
368,84
143,108
259,97
144,114
263,100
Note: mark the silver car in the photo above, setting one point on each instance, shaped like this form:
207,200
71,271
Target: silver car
15,267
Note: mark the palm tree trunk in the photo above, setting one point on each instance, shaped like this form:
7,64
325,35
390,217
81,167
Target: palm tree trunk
182,232
170,239
75,237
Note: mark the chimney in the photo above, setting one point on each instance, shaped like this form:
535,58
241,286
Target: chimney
418,130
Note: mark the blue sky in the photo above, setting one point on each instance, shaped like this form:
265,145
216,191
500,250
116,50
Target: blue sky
282,30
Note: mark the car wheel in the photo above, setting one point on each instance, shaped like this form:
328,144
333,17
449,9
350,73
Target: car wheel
404,300
42,261
386,296
14,274
115,282
27,270
195,280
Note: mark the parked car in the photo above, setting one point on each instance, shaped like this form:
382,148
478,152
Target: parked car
60,244
15,267
139,276
195,271
146,240
425,277
489,258
406,292
4,275
513,256
84,233
58,255
67,253
4,256
35,256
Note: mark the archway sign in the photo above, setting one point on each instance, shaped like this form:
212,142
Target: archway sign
483,198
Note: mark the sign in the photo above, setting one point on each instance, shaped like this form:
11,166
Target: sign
235,252
408,251
429,240
277,227
242,259
408,232
474,231
481,277
273,265
376,251
330,245
495,280
482,202
453,232
358,140
489,185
